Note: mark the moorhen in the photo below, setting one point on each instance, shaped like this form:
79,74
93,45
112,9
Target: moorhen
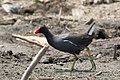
71,43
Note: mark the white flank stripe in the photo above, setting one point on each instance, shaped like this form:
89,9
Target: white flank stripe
70,42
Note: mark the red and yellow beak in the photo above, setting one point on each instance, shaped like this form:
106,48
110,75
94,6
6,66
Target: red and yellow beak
37,31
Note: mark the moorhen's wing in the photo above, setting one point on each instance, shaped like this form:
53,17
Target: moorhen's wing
79,40
63,38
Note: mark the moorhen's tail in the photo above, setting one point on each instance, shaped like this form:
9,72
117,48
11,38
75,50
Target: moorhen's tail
91,29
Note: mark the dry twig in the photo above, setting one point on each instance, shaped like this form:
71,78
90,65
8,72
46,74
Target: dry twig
34,63
59,16
23,38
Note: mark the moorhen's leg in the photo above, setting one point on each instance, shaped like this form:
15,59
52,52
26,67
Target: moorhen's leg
72,68
91,60
75,59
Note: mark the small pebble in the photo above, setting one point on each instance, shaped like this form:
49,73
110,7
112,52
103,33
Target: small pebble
99,56
1,46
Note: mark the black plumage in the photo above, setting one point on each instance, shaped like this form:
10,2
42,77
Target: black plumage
72,43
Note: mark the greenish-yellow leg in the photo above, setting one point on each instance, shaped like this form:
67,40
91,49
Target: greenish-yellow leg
75,59
91,60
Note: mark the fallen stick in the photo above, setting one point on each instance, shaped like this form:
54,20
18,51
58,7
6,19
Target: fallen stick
59,16
22,38
34,63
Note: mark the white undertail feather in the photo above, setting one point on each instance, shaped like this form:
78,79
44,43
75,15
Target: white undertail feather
92,28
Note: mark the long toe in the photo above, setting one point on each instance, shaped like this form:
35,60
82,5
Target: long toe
72,69
93,68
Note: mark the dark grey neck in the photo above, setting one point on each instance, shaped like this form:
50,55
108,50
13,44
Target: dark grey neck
49,36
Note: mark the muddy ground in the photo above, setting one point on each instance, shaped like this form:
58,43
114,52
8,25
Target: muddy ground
16,55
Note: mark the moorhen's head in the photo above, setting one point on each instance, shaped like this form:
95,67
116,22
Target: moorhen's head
41,29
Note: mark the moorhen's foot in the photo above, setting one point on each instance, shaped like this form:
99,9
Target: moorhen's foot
72,69
92,69
93,65
79,59
75,70
63,70
69,70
